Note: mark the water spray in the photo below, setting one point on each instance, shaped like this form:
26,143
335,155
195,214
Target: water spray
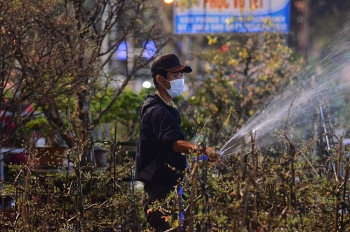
322,87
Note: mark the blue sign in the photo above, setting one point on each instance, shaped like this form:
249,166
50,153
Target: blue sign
122,51
150,49
231,16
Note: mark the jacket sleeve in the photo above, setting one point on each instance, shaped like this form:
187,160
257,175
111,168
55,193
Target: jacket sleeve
167,128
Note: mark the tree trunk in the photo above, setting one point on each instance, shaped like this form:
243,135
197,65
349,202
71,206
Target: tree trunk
303,35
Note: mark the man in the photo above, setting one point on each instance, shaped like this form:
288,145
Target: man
159,159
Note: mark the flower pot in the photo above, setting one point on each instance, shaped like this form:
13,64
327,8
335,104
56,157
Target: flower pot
7,202
50,157
7,208
16,158
98,198
101,157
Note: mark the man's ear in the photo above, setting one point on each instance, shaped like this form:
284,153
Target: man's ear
162,81
159,79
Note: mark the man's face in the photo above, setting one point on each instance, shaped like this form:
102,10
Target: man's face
170,76
174,76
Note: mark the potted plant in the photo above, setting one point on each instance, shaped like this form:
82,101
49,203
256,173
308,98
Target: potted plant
101,155
121,119
50,157
48,152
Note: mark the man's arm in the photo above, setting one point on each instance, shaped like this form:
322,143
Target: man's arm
189,148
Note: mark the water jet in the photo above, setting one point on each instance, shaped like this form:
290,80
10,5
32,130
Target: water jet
324,83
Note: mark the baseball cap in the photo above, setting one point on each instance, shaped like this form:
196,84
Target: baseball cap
170,63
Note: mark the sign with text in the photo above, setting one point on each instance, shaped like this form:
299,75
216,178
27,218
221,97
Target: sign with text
231,16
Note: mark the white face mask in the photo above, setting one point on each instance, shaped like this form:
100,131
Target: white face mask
176,87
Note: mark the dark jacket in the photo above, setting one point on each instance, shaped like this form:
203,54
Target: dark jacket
156,161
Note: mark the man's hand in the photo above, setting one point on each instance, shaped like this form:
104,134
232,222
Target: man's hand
189,148
212,154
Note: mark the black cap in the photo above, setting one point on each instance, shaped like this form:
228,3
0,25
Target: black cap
170,63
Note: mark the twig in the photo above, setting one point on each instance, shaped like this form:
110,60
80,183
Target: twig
193,189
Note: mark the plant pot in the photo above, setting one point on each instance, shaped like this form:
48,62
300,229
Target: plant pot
16,158
7,202
101,157
7,208
98,198
50,157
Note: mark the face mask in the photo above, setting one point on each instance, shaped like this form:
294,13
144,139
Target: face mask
176,87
